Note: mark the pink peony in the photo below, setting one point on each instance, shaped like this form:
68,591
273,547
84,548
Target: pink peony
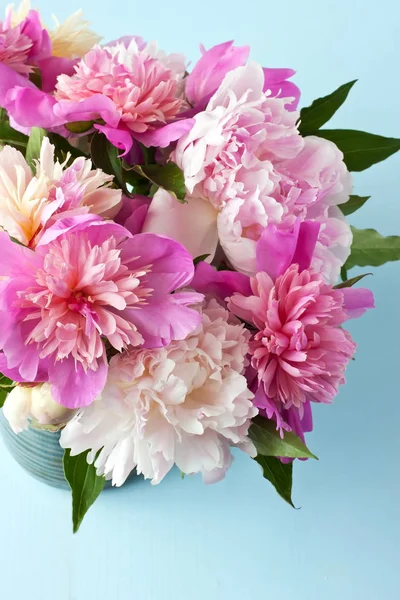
227,159
88,281
134,91
23,46
130,91
299,350
245,158
185,404
30,203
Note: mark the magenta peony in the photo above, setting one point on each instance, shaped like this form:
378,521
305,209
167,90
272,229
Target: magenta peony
89,281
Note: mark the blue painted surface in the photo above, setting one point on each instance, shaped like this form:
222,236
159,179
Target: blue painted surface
237,540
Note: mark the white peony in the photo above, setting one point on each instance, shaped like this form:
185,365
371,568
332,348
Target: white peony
185,404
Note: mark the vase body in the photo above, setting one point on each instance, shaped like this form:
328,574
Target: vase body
38,451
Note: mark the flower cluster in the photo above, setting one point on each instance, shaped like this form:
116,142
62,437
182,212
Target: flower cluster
171,249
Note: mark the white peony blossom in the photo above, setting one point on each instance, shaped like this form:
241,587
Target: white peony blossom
185,404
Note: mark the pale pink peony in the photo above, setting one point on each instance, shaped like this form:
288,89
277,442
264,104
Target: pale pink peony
142,89
245,157
136,92
228,163
228,152
30,203
227,160
88,281
185,404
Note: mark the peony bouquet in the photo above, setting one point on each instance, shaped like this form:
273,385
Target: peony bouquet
174,254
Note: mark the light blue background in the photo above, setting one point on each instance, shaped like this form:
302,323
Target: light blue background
237,540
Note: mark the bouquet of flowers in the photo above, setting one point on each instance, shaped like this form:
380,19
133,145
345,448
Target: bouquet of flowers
174,252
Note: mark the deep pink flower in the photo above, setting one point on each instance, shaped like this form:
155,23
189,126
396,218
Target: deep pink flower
89,280
299,350
23,46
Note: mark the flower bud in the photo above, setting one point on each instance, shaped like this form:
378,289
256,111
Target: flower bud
17,408
37,402
45,410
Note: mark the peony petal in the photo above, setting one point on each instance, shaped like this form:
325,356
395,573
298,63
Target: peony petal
51,68
357,301
277,250
275,80
163,136
171,265
15,259
30,107
97,229
222,284
72,387
164,319
90,109
120,138
193,224
132,214
209,71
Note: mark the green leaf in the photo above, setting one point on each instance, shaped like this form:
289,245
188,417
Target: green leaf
34,145
350,282
11,137
321,110
6,386
79,126
268,442
279,474
353,204
85,484
343,273
105,157
371,248
169,177
200,258
361,150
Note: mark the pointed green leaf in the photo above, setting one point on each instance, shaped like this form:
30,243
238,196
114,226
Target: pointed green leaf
6,385
350,282
279,474
321,110
353,204
361,150
105,156
85,484
169,177
371,248
268,442
34,146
